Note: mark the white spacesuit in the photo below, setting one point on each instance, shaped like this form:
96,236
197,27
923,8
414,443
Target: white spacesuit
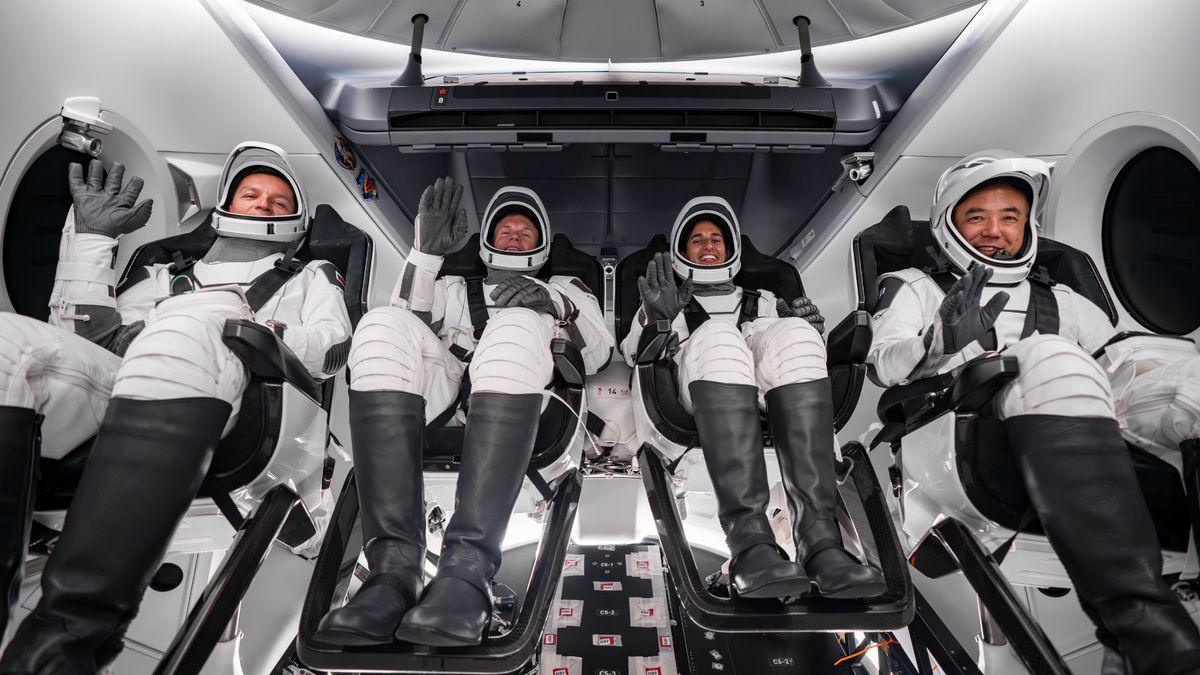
143,364
1059,411
406,368
738,350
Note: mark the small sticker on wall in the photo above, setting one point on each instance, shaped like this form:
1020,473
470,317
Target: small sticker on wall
344,153
366,185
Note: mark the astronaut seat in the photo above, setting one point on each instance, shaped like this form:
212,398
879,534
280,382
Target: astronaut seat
670,472
269,475
285,411
549,495
955,476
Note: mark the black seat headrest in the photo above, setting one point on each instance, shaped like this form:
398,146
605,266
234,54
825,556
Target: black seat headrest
898,242
333,239
565,260
759,272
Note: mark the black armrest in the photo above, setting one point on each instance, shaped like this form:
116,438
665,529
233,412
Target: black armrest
568,361
979,382
1126,334
907,407
267,357
850,340
652,344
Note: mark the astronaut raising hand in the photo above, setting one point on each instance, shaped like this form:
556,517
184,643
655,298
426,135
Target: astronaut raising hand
142,367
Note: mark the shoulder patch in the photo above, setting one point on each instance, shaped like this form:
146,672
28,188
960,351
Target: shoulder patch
332,274
575,281
889,287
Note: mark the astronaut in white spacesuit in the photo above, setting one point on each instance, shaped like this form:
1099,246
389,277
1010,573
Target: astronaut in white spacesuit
738,350
142,366
1059,411
406,368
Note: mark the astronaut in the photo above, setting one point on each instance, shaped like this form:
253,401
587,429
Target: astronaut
142,366
406,369
1059,411
747,349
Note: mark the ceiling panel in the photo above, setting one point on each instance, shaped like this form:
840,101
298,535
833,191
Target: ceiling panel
620,30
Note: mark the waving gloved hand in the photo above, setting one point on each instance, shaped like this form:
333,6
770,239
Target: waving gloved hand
522,291
963,319
661,296
802,308
106,210
440,222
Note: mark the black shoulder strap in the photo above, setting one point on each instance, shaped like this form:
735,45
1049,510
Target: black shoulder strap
477,305
1042,314
267,284
694,315
940,270
749,311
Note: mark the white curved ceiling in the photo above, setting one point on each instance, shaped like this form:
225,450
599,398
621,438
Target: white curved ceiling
617,30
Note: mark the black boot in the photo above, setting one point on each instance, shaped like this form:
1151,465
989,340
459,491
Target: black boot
731,438
1082,485
19,429
801,417
456,607
387,428
145,467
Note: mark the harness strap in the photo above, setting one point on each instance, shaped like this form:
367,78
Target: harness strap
477,305
1042,314
694,313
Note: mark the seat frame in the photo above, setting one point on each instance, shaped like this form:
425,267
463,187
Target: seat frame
661,418
958,517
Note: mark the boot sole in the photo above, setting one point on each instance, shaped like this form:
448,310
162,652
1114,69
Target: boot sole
853,592
788,588
349,638
434,638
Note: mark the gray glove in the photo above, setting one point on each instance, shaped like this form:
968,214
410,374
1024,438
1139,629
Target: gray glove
963,320
124,337
802,308
521,291
661,296
106,210
440,222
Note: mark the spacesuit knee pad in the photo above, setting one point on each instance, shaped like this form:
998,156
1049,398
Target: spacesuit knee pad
1057,377
181,355
789,351
717,352
385,354
513,354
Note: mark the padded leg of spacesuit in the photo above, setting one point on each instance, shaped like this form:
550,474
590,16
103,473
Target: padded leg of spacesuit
19,429
171,400
393,350
1081,483
509,371
717,368
789,359
56,373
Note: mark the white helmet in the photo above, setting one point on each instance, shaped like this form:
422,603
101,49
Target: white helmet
1031,176
246,159
717,211
507,201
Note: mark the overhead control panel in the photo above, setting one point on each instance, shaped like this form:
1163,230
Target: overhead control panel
680,112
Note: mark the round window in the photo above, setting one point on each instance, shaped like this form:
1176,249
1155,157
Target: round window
33,229
1151,236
